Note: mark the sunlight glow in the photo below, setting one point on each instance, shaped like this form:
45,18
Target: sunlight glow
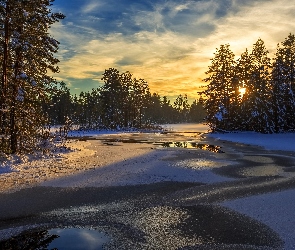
242,91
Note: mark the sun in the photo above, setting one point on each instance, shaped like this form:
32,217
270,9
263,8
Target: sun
242,91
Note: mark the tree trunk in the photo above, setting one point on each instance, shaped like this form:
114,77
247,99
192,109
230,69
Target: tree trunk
3,101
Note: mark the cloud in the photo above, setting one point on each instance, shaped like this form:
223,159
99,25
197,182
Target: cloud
162,60
168,43
91,7
271,21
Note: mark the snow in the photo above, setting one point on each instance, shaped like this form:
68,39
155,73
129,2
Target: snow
186,127
150,167
20,95
275,210
23,75
99,165
284,141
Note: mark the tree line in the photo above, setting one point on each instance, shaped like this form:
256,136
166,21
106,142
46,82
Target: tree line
122,102
254,92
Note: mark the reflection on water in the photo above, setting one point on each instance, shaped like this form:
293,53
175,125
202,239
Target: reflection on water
76,239
185,144
61,239
29,240
168,144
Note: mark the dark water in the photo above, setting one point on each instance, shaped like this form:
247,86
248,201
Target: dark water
61,239
76,239
169,144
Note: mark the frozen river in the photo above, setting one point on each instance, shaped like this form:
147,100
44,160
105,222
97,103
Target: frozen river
153,197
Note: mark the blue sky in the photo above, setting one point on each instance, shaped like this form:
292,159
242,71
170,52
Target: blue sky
168,43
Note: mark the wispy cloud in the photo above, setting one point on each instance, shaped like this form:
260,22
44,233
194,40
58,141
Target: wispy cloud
90,7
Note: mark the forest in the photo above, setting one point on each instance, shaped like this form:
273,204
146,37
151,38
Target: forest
254,92
122,102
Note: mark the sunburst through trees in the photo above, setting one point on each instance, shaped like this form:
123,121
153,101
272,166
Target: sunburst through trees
252,93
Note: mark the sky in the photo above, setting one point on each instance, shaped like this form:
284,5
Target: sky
169,43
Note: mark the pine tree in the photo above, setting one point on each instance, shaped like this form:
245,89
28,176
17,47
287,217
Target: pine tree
123,98
154,112
139,95
242,76
284,81
220,89
112,93
27,57
279,93
60,105
197,112
258,103
182,107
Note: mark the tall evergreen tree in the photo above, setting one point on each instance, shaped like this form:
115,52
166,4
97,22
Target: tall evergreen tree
280,92
27,57
154,112
197,112
123,98
258,106
220,88
284,81
182,107
60,106
113,94
139,96
242,76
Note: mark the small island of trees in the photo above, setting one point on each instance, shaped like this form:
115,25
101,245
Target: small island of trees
122,102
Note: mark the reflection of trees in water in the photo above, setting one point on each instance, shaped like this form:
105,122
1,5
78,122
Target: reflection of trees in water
29,241
184,144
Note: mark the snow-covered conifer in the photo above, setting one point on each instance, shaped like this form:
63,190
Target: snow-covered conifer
28,56
258,102
220,88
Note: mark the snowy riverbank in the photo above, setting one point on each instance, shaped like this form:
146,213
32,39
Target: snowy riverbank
284,141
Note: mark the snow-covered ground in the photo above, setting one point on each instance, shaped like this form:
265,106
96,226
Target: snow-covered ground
96,164
187,127
277,209
284,141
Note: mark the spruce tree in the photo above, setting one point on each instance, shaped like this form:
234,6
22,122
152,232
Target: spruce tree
139,95
258,103
242,77
284,80
113,94
220,89
27,57
123,98
280,102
